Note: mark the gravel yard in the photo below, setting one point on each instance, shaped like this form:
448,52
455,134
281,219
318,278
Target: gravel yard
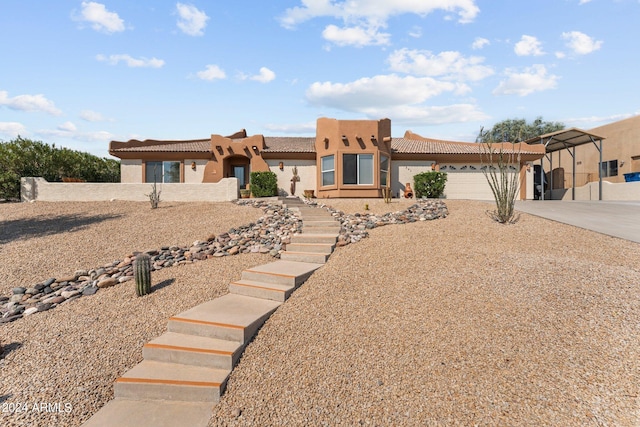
458,321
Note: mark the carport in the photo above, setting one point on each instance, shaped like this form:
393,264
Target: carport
567,139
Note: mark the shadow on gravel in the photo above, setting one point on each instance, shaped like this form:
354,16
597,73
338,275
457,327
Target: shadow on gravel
162,284
8,348
37,227
5,397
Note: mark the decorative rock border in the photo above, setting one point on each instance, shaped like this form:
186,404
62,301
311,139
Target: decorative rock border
269,234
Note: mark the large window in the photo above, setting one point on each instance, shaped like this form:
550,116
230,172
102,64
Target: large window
328,170
384,170
163,172
357,169
609,168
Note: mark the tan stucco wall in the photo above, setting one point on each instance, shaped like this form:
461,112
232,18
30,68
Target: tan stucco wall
306,172
40,189
403,171
194,176
131,171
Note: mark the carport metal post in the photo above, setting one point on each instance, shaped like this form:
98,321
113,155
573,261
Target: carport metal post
599,148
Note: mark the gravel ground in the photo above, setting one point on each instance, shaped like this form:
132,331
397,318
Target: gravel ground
459,321
73,353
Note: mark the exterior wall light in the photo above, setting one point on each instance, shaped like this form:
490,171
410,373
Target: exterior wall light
193,165
281,166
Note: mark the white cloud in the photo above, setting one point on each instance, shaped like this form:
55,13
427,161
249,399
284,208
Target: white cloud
583,2
92,116
528,46
415,32
61,132
580,43
12,129
366,17
67,127
265,76
212,72
430,115
379,92
131,61
533,79
100,18
29,103
479,43
560,55
355,36
450,64
191,20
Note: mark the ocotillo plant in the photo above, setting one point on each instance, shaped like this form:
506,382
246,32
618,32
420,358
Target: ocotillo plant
142,274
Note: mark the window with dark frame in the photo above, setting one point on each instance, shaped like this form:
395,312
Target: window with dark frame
609,168
357,169
166,172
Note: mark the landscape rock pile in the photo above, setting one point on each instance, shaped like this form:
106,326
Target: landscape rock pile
269,234
354,226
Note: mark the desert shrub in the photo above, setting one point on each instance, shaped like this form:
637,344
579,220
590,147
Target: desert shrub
264,184
429,184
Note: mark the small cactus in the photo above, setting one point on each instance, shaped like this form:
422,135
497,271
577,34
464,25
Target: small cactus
142,274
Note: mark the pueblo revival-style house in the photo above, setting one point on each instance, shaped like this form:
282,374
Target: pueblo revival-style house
346,158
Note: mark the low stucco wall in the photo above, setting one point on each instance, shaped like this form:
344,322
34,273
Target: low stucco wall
610,191
41,190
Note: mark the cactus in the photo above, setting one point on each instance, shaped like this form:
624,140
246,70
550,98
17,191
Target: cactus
142,274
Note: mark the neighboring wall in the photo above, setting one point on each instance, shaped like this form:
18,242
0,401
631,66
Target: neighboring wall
610,191
306,172
41,190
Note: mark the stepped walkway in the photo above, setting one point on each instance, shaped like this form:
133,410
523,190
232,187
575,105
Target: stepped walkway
185,370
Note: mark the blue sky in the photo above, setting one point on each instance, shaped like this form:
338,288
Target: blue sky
81,73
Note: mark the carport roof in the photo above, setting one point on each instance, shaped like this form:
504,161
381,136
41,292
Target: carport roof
565,138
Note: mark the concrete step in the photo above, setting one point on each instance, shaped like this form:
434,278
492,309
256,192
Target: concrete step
313,257
281,272
323,248
313,224
317,217
320,230
151,413
255,289
329,238
229,317
172,347
151,380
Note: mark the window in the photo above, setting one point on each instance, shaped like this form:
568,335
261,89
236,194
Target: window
328,170
384,170
162,172
357,169
609,168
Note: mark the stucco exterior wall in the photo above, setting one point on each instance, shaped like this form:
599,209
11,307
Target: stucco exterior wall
131,171
403,171
306,172
192,176
41,190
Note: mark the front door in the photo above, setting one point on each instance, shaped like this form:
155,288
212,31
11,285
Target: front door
239,171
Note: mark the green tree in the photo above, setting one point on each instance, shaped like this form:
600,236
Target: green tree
23,157
517,130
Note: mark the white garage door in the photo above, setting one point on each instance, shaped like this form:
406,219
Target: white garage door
466,181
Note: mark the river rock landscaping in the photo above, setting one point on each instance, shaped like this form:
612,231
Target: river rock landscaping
269,234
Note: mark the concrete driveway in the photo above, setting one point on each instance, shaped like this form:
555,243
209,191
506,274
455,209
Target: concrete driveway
618,219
